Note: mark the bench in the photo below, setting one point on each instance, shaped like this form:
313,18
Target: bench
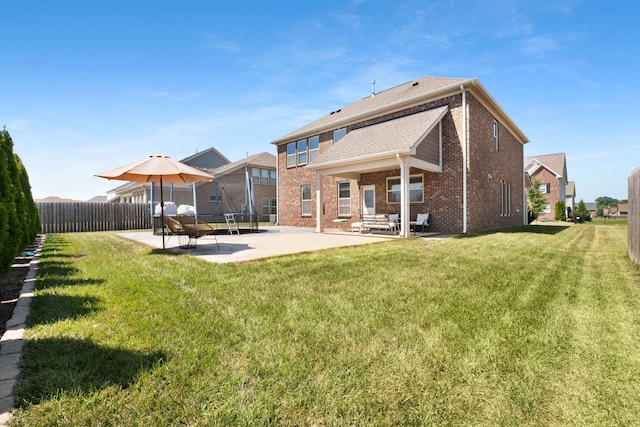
375,222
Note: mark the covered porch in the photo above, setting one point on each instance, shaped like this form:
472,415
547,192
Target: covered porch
411,141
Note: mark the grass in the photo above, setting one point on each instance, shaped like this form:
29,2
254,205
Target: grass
533,326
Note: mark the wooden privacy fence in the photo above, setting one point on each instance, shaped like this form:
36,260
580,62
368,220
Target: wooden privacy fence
80,217
634,215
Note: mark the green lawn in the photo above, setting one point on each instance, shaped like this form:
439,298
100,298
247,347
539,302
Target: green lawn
534,326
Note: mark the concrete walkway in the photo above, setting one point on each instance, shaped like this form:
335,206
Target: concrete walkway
268,242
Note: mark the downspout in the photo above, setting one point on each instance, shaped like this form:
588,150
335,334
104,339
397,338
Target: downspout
464,160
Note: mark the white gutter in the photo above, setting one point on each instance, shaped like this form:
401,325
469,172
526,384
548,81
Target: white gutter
464,160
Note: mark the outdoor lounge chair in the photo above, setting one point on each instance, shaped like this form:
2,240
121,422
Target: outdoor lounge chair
422,221
195,228
175,229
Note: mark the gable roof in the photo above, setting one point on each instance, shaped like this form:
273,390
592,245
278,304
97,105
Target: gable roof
201,158
409,94
555,163
265,160
571,189
381,140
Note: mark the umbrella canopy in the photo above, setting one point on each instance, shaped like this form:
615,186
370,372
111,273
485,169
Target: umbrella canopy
157,168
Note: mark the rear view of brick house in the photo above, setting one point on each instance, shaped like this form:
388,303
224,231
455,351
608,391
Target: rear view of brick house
437,145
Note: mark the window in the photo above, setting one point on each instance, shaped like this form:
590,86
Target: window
269,206
305,193
495,133
344,198
339,134
416,189
544,188
314,142
505,196
302,152
291,154
263,176
547,208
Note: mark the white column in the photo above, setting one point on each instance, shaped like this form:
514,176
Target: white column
319,214
405,211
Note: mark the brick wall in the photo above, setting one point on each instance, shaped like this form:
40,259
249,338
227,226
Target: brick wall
546,177
488,167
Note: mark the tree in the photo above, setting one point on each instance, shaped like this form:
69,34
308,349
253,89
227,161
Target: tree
536,199
583,211
560,213
19,222
606,202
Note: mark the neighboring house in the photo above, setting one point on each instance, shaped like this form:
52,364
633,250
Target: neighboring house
592,207
232,187
437,145
551,171
235,184
622,210
570,199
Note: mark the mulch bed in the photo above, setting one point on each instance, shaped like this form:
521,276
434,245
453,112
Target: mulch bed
11,284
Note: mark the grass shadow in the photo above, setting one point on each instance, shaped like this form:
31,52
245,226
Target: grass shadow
526,229
55,268
51,308
53,365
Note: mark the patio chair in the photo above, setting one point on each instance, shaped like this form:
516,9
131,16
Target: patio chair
195,228
175,229
422,221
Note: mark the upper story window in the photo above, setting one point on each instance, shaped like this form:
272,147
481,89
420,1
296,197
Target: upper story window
314,144
416,189
291,154
495,134
263,176
544,188
339,134
303,151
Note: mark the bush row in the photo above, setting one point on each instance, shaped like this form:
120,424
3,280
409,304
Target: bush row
19,220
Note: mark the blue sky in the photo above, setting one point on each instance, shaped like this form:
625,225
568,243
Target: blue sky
88,86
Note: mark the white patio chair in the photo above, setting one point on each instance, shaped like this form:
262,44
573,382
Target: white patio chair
422,221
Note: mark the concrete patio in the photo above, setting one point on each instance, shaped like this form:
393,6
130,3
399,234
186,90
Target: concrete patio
270,241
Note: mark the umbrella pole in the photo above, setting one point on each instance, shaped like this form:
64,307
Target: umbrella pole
162,211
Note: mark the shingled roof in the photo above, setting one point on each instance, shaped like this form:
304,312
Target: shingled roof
400,97
384,139
556,163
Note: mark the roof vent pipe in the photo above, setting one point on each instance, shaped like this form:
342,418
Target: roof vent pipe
373,88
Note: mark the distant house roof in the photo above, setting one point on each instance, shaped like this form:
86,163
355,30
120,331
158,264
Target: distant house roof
404,96
265,160
383,139
555,163
209,158
591,206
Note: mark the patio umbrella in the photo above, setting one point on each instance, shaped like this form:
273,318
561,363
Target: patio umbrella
157,168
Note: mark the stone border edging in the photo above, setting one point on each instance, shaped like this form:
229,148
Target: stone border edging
12,342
